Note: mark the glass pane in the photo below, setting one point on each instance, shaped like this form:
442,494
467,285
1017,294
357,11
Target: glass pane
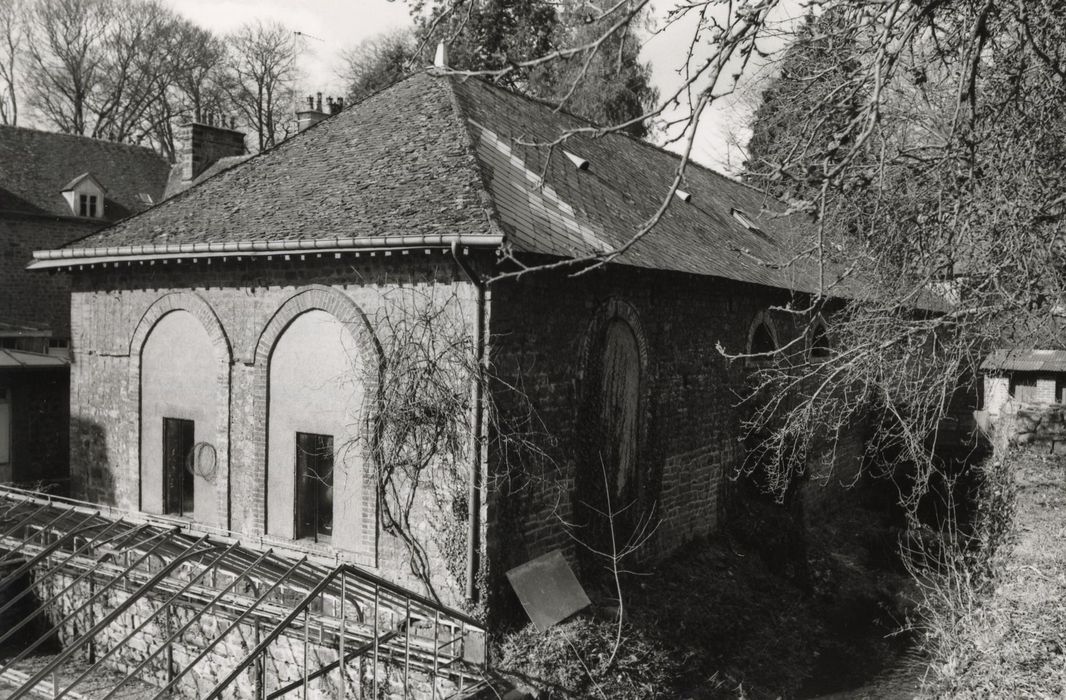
178,440
314,485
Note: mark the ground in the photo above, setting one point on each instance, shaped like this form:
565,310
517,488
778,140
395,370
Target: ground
749,613
1013,644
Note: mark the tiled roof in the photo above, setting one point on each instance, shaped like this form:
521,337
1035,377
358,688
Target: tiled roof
394,164
578,212
36,166
431,155
176,184
1026,361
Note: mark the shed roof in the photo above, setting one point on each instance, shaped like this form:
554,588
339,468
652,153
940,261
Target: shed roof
1026,361
22,359
37,166
442,156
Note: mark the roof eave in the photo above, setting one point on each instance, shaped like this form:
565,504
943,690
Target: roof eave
71,257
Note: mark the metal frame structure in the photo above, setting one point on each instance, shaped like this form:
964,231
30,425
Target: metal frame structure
99,563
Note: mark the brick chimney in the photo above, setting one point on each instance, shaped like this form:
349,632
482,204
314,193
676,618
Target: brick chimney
307,118
203,143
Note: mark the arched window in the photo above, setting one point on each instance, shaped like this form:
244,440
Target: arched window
820,348
314,430
179,420
762,339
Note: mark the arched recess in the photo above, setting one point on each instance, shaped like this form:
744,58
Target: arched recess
317,365
762,336
614,423
180,363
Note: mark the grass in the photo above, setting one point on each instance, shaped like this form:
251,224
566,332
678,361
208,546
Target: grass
1003,634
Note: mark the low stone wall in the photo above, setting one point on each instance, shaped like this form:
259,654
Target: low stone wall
1025,424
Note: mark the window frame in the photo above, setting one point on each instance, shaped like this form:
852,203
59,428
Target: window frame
303,458
185,479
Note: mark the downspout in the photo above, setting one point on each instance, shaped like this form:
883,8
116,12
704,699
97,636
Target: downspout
474,495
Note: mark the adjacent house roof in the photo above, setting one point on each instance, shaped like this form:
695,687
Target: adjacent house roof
1026,361
431,158
37,166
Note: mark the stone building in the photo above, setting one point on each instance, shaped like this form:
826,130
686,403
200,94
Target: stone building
239,349
54,189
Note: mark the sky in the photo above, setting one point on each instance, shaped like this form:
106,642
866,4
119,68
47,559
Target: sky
328,27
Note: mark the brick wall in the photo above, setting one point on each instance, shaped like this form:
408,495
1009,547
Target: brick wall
690,431
29,298
244,307
203,145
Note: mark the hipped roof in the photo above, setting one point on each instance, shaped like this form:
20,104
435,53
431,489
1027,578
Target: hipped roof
441,156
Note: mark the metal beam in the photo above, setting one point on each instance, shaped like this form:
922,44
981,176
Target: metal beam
274,634
57,661
41,640
354,654
47,574
118,645
225,632
199,613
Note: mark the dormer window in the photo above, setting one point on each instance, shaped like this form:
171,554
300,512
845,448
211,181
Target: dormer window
85,196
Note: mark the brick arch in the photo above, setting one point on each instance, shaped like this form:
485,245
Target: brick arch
763,318
202,311
351,315
613,308
323,298
180,301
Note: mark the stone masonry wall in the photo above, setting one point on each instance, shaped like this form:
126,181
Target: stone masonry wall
244,307
690,432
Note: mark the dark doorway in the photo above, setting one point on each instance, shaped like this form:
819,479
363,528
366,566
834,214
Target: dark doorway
314,486
178,441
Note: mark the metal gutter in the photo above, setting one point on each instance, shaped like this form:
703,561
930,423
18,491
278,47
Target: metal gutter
68,257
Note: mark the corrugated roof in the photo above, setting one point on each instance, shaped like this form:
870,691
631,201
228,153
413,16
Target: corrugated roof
36,166
24,360
1026,361
401,162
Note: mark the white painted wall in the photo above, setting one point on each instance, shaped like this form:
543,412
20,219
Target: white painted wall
316,386
178,380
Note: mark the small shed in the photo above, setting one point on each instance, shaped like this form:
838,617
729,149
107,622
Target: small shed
1024,376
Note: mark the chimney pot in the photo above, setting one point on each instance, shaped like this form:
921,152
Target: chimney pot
310,101
441,59
319,105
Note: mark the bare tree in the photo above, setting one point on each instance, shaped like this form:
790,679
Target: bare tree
101,68
67,57
198,84
927,153
263,64
12,49
377,62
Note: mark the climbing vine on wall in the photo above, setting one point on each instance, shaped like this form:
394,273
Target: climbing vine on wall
423,426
